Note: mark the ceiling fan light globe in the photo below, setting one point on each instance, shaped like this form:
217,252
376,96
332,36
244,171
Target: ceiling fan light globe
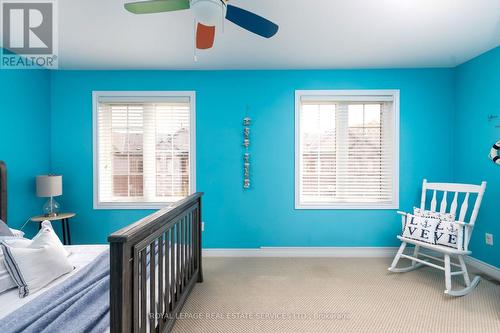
209,12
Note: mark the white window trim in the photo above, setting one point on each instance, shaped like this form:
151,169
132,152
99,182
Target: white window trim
339,93
96,95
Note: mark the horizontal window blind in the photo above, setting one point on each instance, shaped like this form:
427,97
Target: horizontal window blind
346,151
144,149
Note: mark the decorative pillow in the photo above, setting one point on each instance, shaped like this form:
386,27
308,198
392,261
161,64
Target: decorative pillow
447,233
435,215
450,234
15,242
47,236
420,228
34,268
17,233
6,281
4,230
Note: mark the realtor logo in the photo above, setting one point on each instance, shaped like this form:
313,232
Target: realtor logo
28,34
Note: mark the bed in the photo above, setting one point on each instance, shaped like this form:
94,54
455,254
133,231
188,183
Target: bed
81,256
150,268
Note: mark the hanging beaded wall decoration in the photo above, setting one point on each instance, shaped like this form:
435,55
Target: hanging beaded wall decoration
246,157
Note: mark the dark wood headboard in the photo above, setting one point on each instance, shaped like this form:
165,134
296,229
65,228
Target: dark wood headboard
3,192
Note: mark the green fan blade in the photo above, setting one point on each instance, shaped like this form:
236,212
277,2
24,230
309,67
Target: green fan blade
156,6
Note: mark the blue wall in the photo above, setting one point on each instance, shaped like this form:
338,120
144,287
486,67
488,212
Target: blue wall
265,215
478,95
46,125
24,138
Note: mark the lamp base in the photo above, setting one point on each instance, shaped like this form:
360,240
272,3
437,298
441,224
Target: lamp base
51,208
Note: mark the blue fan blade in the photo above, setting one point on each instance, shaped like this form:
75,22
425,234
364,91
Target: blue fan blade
251,22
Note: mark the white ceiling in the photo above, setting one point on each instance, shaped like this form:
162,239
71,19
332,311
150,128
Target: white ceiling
100,34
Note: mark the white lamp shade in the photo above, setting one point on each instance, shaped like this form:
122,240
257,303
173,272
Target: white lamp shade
48,186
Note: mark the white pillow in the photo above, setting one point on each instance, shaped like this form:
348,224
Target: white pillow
450,234
435,215
17,233
47,236
6,281
16,242
34,268
447,233
421,228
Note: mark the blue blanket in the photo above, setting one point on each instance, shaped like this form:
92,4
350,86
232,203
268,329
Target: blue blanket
78,304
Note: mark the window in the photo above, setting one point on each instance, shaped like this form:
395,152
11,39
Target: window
347,149
144,148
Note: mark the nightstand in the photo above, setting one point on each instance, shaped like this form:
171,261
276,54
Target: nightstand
63,217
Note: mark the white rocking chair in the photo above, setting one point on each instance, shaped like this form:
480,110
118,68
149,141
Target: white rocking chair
419,259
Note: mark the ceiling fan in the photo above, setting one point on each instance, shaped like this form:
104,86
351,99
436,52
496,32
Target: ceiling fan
208,14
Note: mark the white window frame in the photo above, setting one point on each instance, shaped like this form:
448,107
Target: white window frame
349,94
122,96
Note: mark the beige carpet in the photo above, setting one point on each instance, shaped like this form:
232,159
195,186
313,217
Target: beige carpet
332,295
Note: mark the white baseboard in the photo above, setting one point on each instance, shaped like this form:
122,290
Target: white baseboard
340,252
490,270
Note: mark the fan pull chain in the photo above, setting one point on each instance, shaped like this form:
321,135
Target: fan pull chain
195,57
222,18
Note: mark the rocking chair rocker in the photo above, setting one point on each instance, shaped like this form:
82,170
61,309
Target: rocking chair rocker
419,259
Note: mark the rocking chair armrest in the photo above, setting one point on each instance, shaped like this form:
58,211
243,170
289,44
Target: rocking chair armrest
463,224
404,217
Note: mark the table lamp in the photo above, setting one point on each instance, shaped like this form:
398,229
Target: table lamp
49,186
